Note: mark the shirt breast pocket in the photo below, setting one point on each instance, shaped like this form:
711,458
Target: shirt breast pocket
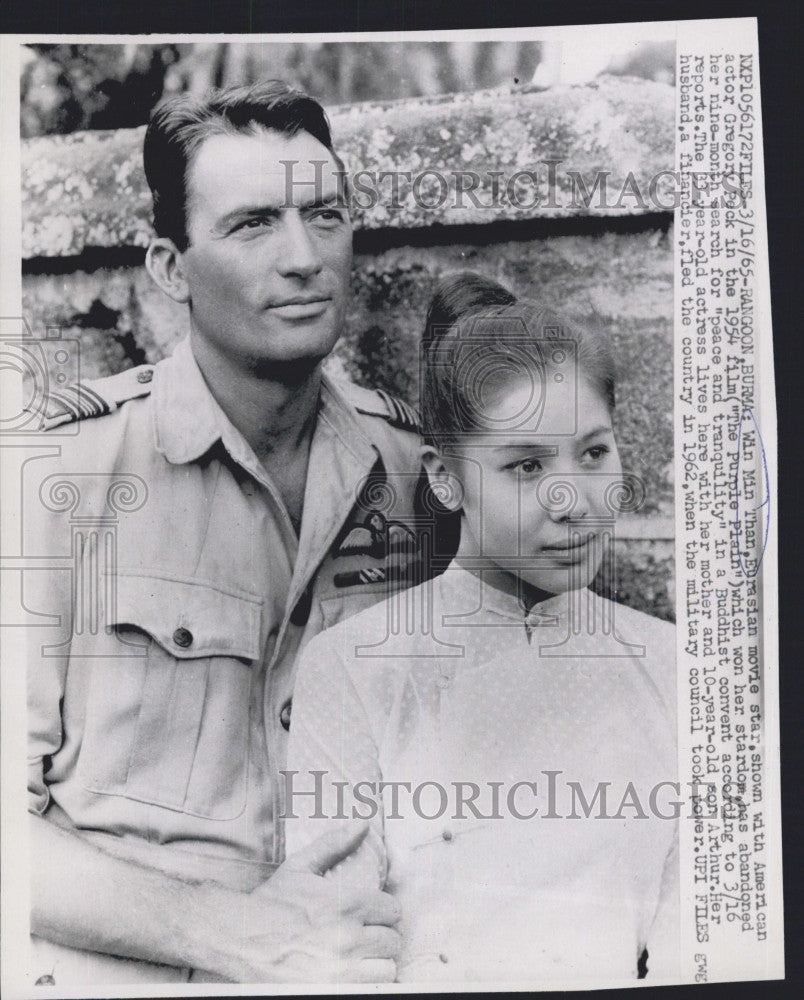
168,715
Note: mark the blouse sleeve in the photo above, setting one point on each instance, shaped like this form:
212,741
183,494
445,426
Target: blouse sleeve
664,936
333,769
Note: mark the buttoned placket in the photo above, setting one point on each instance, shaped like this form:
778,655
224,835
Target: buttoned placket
257,480
339,446
189,421
498,604
188,424
348,456
348,462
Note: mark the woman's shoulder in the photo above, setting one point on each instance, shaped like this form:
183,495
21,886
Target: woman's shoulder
639,623
651,641
368,657
387,632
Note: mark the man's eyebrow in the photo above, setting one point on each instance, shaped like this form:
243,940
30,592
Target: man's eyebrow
327,201
272,211
245,212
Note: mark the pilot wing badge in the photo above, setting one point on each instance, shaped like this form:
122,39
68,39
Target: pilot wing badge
375,548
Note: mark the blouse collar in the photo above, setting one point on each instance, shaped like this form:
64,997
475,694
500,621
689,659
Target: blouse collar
470,591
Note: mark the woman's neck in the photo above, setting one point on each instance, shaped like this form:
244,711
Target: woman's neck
494,575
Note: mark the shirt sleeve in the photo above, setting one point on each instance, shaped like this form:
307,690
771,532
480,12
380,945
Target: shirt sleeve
47,583
664,940
333,770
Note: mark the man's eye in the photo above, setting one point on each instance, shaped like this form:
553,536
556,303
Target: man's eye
529,465
328,215
253,223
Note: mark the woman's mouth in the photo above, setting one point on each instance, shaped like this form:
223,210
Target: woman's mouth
571,550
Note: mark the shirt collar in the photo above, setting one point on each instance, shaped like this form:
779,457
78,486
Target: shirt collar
341,413
189,420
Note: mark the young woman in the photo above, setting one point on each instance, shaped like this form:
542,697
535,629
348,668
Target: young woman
508,734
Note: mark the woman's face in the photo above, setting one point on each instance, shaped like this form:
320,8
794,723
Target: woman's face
537,485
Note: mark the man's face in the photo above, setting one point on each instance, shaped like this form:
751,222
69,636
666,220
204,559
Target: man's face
270,248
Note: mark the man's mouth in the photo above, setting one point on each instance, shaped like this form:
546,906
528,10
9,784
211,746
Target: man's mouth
300,300
301,306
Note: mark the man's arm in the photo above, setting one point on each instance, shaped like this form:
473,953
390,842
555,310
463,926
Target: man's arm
296,927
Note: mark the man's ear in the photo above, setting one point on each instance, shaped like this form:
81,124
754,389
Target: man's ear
446,486
163,262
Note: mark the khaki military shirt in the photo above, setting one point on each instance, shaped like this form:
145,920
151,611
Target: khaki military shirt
175,596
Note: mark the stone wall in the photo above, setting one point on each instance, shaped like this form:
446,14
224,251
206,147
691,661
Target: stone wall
87,221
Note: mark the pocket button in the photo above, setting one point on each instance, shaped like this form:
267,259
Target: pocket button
183,637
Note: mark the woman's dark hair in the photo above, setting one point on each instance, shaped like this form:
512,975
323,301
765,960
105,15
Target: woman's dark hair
456,296
179,125
479,337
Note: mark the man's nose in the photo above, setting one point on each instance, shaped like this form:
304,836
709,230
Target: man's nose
298,255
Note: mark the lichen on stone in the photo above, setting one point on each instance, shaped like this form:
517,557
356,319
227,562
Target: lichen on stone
621,125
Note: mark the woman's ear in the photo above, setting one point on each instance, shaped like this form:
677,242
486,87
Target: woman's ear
163,262
446,486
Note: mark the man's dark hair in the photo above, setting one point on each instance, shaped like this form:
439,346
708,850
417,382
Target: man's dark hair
180,124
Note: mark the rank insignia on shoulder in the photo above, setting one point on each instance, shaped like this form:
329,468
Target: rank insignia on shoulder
74,402
94,398
379,403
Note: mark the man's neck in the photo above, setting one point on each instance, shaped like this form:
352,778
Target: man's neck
275,410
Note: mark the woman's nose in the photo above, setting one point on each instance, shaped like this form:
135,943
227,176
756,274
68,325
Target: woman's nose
567,496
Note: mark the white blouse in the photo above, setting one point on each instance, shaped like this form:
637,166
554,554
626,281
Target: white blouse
527,824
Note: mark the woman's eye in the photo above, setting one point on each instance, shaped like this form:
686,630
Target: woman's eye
529,466
597,451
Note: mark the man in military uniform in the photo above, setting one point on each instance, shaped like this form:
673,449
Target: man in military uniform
204,510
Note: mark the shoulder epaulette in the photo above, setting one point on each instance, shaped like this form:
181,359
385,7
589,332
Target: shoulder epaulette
378,403
94,398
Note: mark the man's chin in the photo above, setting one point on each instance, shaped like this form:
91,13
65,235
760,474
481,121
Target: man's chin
288,371
293,362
